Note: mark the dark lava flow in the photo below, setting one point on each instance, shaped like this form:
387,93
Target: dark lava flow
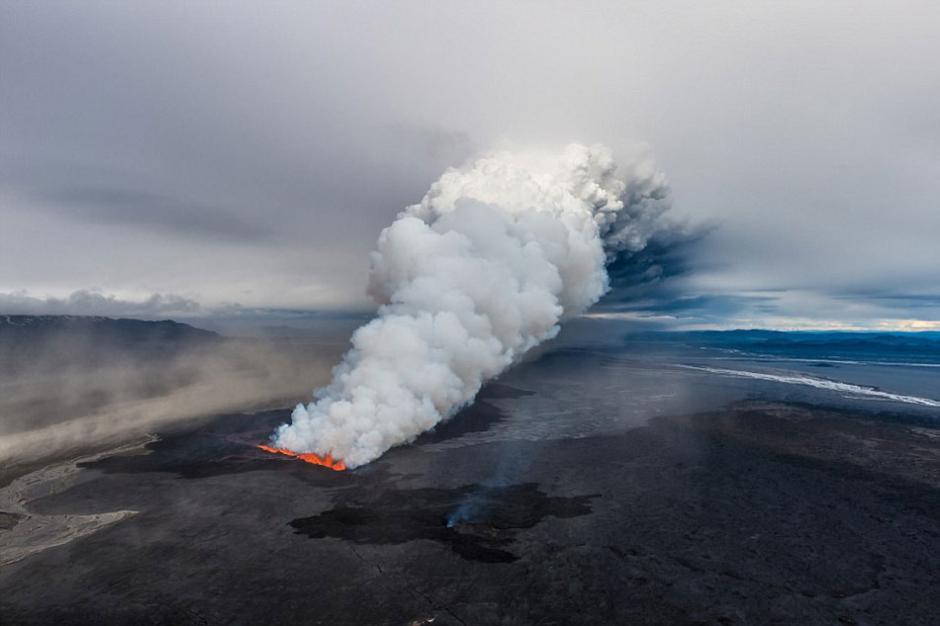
226,443
476,521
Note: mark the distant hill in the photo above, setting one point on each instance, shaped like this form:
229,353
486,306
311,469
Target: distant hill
32,327
64,340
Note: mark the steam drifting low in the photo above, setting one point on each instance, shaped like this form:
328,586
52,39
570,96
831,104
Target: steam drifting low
495,256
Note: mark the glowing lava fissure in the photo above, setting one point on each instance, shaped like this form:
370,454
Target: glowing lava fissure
307,457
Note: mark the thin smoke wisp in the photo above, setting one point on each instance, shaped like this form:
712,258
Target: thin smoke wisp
496,255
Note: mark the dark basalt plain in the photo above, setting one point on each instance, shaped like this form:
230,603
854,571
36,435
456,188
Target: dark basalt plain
473,520
761,513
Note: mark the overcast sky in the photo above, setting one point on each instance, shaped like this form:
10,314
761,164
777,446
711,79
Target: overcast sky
223,154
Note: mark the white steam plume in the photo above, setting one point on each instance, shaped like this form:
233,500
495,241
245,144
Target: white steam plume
484,268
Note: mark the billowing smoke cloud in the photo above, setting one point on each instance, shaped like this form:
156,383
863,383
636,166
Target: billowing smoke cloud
494,257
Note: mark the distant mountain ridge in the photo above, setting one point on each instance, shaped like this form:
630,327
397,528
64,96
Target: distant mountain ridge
31,326
54,341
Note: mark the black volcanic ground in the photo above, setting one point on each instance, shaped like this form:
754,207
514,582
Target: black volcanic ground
761,512
587,486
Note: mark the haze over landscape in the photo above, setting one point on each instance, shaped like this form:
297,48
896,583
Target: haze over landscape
491,313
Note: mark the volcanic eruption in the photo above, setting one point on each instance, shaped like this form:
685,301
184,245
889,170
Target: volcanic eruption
495,256
309,457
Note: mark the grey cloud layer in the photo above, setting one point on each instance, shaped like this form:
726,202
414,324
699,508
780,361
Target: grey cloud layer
175,216
253,156
85,302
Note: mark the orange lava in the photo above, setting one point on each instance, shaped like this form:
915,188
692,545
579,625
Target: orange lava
307,457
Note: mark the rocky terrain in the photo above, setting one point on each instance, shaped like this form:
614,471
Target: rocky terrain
762,512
